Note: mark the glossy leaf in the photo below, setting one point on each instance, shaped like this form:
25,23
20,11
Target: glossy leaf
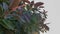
38,4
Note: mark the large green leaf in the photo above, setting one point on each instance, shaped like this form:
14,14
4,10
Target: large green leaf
7,24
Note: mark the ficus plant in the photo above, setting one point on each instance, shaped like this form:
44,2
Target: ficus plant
22,17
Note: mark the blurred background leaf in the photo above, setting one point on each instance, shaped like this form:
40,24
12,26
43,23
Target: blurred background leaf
25,19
